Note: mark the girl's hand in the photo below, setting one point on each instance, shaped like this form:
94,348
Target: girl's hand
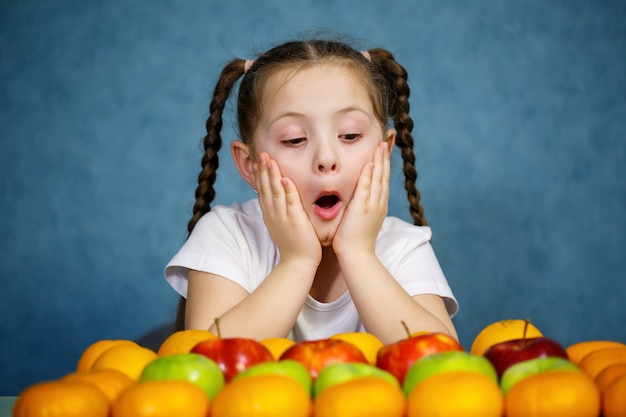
283,214
366,212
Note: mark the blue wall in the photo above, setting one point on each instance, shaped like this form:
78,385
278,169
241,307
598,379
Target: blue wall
520,110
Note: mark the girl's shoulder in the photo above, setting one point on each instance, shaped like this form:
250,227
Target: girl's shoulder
398,229
236,218
247,210
401,242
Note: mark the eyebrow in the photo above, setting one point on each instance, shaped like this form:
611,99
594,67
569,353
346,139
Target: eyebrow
298,115
286,115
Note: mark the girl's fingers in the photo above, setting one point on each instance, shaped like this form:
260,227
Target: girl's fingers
271,190
283,214
262,178
292,198
377,173
275,179
376,176
291,193
364,184
386,175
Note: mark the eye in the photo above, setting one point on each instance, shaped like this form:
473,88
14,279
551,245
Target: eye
351,136
293,142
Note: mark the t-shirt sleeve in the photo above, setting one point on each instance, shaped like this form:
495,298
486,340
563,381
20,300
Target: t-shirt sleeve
420,273
408,255
212,247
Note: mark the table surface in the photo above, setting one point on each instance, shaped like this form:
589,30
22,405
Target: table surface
6,406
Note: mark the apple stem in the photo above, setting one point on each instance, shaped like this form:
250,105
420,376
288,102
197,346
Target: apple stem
406,328
217,327
525,330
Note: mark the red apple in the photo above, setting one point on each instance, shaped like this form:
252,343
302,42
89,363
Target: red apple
317,354
398,357
233,355
504,354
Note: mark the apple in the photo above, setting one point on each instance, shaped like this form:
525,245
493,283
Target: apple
287,367
192,367
317,354
521,370
398,357
504,354
338,373
450,361
233,355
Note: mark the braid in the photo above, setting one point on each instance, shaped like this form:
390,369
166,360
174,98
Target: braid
399,92
205,192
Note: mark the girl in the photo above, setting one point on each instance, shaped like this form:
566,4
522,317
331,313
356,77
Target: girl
315,254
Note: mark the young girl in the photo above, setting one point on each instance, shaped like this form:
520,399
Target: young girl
315,253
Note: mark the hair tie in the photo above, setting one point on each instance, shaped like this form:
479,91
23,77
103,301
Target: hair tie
247,65
367,55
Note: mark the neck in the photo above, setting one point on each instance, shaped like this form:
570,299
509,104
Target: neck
328,255
328,284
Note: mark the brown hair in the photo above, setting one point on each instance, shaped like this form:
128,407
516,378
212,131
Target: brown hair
387,85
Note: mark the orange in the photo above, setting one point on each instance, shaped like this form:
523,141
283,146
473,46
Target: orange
554,394
614,398
110,381
502,331
162,399
89,355
127,358
456,394
420,333
578,350
183,341
367,343
266,395
594,362
609,374
61,399
277,345
361,397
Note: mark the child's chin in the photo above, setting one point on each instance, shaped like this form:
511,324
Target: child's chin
326,240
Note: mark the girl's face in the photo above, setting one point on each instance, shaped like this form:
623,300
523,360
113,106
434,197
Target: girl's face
319,125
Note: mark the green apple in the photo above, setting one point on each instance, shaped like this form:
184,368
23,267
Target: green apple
515,373
286,367
192,367
451,361
337,373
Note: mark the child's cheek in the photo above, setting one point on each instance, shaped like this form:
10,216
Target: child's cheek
289,169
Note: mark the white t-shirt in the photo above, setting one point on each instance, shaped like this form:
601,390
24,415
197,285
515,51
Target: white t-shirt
233,242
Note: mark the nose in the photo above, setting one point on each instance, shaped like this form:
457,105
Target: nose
327,167
327,160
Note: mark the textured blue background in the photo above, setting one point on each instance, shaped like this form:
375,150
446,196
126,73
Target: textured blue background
520,110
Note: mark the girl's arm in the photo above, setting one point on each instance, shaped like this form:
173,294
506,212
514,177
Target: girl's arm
380,300
269,311
383,304
272,308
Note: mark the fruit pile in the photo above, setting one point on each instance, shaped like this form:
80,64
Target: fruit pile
511,369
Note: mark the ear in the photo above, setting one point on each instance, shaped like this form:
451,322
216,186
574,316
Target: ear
391,138
243,160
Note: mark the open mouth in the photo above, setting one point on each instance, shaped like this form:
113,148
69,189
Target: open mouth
327,201
327,206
